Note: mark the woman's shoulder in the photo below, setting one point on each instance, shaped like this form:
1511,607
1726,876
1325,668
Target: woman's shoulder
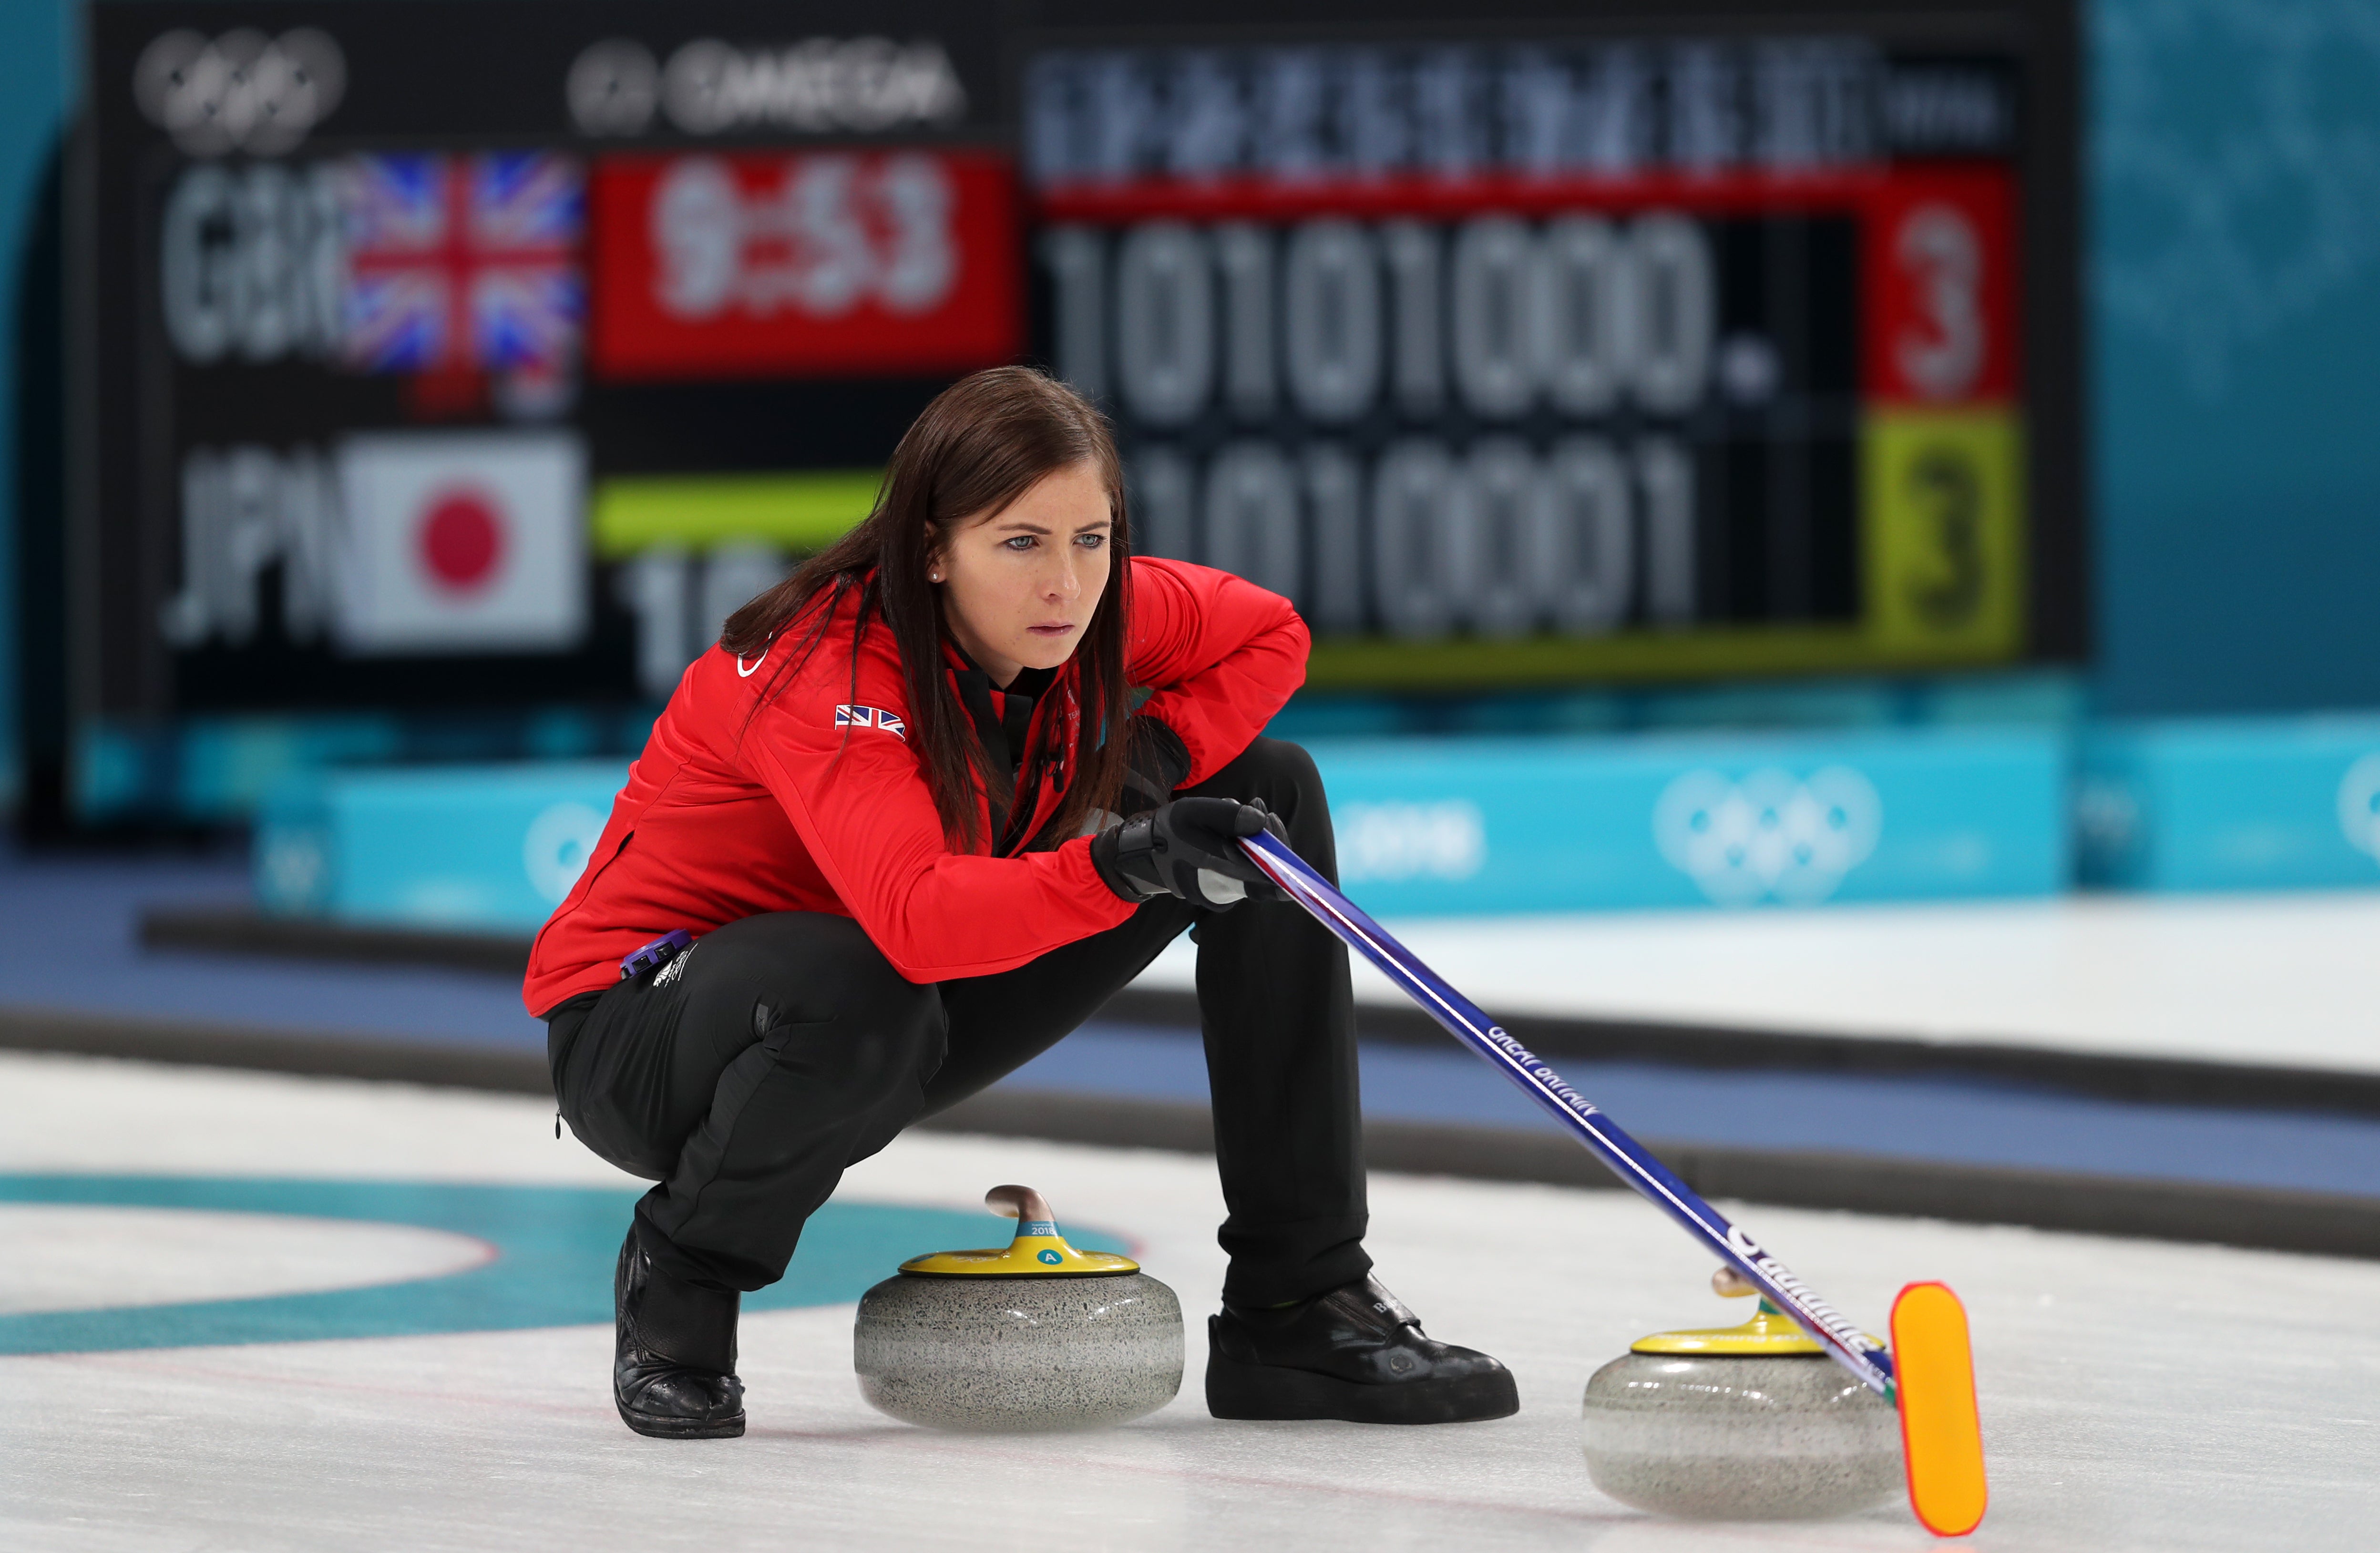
1157,588
1160,582
825,668
1166,574
1173,603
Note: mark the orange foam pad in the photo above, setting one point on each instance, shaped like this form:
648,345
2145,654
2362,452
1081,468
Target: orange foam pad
1941,1436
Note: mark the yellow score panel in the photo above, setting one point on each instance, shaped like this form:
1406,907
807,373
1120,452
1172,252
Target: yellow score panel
1943,508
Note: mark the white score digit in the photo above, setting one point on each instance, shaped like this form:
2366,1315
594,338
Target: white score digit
915,195
1331,309
1507,502
1165,322
1252,528
1495,330
1589,553
1585,280
1938,247
1666,474
1243,254
698,229
1420,541
1675,312
837,265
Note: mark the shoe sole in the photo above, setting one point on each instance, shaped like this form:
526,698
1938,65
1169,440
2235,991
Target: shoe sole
1239,1390
659,1427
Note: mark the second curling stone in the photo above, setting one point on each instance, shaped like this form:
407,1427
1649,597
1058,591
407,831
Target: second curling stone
1750,1423
1035,1335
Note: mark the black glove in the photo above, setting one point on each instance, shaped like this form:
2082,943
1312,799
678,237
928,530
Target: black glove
1189,848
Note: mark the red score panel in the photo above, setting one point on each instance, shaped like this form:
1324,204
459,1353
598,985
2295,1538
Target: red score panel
1940,252
806,264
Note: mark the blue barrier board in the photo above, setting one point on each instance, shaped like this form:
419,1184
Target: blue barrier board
1426,826
2262,803
449,846
1453,827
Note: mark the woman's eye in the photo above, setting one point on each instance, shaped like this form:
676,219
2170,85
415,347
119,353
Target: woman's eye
1092,541
1021,543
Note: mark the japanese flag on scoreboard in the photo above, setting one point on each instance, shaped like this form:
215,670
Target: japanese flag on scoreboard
463,542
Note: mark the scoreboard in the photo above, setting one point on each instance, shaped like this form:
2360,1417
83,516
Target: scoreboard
1558,356
449,353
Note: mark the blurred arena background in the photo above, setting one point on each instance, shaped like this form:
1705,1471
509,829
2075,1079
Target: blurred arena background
1842,549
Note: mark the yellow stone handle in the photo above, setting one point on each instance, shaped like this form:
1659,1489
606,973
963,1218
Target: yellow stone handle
1021,1203
1726,1283
1039,1250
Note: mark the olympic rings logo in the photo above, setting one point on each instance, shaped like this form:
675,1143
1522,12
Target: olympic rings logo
1772,835
241,92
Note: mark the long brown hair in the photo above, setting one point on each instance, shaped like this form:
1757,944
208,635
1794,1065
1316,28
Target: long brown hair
983,442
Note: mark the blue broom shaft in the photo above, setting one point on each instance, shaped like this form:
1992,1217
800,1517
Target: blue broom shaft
1604,1137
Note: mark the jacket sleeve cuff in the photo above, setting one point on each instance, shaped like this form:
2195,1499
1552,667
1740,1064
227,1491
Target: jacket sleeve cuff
1107,862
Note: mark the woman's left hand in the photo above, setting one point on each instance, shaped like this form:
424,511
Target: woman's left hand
1190,849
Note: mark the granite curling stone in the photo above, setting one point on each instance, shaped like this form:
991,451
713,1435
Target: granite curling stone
1750,1423
1036,1336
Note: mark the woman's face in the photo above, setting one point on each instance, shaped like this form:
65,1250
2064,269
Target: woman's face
1020,585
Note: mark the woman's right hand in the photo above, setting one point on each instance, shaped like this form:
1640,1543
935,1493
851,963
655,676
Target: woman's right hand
1190,849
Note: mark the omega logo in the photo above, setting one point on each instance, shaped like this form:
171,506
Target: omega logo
710,87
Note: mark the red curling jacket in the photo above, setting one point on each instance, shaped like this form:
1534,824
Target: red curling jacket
817,802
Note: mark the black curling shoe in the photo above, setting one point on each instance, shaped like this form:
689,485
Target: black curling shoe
673,1372
1356,1353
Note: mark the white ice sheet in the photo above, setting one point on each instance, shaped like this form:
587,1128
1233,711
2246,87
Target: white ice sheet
2280,979
2135,1395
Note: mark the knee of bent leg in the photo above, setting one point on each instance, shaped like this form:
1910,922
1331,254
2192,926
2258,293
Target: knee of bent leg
861,1025
1283,775
899,1027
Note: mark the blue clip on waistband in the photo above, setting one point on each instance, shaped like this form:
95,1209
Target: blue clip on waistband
656,954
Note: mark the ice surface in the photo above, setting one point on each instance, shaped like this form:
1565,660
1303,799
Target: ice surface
2135,1395
2275,979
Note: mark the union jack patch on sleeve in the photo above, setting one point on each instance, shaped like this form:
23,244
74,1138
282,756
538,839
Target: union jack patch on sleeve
871,717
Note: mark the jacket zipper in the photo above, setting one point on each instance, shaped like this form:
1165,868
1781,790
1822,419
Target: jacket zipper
1024,819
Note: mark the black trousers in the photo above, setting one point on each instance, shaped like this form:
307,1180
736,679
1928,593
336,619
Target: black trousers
783,1048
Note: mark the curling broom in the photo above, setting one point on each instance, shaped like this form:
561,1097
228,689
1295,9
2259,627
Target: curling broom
1928,1371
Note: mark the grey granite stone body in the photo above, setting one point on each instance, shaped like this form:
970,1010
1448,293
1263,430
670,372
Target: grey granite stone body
1013,1354
1719,1438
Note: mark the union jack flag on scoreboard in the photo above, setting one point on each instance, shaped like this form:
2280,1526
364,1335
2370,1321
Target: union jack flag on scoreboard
463,262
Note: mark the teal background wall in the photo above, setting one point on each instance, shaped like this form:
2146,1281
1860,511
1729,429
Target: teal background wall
2235,273
2234,266
36,76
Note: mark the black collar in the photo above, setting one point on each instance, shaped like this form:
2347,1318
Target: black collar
1001,725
